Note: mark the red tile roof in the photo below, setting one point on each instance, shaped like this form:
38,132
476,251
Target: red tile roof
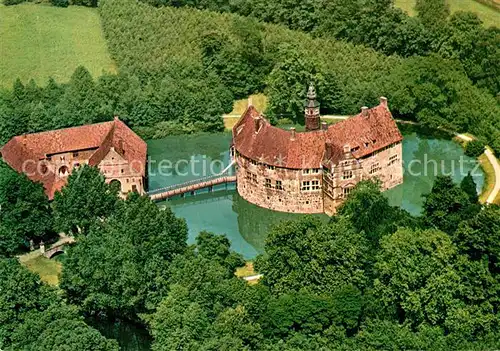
364,133
99,137
274,146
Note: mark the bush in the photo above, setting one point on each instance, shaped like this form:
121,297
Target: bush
474,148
12,2
60,3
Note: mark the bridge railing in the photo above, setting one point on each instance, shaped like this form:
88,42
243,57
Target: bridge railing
191,182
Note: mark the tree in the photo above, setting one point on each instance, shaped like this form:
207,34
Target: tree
79,104
119,269
72,335
60,3
34,317
216,247
369,211
287,83
474,148
236,326
469,187
447,205
310,314
85,199
39,119
415,275
178,322
479,236
307,255
432,13
22,291
25,213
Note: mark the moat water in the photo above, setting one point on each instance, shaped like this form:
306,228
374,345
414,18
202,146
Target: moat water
246,225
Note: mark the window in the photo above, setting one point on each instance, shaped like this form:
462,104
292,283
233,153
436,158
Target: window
347,175
393,159
75,154
315,170
49,158
346,191
374,168
254,162
268,183
77,165
306,171
270,167
315,185
254,178
123,171
249,175
279,185
306,185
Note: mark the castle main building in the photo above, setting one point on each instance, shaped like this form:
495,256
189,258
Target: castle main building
314,171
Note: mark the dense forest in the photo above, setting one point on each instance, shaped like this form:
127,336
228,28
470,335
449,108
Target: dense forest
180,69
373,277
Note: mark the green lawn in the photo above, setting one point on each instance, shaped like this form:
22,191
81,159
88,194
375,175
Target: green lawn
48,270
487,14
39,41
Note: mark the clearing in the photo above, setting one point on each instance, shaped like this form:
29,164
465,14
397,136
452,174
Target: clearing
48,270
489,15
41,41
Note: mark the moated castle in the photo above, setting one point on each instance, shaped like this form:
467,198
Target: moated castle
314,171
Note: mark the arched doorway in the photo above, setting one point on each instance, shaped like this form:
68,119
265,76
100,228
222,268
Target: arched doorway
116,185
63,171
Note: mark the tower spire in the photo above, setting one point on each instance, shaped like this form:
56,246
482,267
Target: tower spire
312,115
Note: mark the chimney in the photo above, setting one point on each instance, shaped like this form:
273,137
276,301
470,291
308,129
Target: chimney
364,111
383,102
347,148
324,126
292,136
116,118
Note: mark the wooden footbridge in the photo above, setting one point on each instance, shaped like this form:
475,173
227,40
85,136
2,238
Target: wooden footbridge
193,185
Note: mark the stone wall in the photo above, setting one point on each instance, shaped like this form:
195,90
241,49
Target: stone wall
67,161
113,166
385,165
260,184
116,168
281,189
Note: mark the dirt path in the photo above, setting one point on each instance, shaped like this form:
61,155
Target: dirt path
496,167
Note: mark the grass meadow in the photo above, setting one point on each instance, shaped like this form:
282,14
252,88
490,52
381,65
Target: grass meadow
489,15
39,41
